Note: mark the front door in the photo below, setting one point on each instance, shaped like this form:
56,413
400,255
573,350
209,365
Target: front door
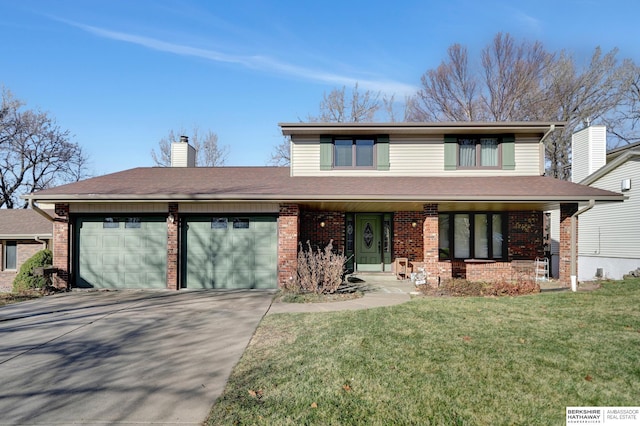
369,242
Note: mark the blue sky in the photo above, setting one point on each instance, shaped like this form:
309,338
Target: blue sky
119,74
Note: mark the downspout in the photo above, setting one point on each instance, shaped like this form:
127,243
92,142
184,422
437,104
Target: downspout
41,241
551,129
574,237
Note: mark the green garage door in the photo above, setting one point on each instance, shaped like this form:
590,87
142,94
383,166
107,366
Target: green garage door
121,252
230,252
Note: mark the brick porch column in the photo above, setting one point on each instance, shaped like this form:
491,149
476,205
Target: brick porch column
431,243
61,247
566,210
288,231
172,246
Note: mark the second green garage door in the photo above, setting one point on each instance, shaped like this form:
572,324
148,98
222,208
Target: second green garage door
230,252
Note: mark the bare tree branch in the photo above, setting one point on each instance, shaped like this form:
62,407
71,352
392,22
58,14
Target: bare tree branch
208,152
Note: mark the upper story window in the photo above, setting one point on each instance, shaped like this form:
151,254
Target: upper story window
353,152
478,152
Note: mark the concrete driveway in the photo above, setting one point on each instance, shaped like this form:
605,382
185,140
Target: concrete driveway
122,357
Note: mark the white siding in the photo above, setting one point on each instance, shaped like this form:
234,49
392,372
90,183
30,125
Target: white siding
415,156
612,230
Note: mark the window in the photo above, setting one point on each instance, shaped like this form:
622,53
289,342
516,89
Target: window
471,236
111,222
240,223
478,152
10,255
353,152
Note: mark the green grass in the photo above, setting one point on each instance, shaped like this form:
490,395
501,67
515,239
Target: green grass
442,361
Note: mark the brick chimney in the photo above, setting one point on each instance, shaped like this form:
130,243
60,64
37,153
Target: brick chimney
182,153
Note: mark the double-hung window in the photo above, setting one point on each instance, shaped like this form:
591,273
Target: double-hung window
471,236
478,152
354,152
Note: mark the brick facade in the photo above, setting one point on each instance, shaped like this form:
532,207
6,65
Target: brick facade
25,249
566,211
407,238
61,254
173,220
319,236
288,231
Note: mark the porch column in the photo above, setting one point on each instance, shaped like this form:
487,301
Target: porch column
61,247
431,243
288,231
173,220
566,211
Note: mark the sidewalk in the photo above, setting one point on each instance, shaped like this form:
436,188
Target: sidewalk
379,290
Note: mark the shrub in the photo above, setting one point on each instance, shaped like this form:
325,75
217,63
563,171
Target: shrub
26,280
319,271
462,287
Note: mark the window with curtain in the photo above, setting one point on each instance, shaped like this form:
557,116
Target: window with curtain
478,152
354,152
471,236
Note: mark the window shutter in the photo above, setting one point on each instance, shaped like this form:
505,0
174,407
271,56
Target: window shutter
326,152
382,152
508,152
450,152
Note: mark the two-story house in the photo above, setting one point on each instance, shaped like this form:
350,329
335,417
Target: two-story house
461,199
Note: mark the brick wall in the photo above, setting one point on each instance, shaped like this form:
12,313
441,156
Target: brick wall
61,247
25,249
172,246
288,231
525,241
311,229
526,234
407,239
566,211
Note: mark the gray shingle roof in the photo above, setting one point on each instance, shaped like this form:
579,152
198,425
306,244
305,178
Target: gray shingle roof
23,223
275,183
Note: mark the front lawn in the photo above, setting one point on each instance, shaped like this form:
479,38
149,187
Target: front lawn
8,298
442,361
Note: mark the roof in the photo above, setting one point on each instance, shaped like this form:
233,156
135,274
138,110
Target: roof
623,155
23,224
158,184
420,128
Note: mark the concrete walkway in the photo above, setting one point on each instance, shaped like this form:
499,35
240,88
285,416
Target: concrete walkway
379,290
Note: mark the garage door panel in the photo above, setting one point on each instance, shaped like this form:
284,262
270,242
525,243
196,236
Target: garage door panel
131,255
227,257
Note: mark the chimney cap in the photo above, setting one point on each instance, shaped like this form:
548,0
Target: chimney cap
184,139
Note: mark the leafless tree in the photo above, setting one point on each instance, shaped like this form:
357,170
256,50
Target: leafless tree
208,152
35,153
281,154
340,107
521,82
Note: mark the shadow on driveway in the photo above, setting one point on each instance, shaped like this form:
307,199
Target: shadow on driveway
122,357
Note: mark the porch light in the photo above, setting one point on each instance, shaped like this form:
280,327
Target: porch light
322,224
414,224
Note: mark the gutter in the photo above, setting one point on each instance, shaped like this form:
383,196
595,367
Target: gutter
574,255
39,211
552,127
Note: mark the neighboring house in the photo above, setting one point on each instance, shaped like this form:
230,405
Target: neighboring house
609,234
23,232
459,199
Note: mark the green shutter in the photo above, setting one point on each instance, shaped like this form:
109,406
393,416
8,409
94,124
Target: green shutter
508,152
326,152
450,152
382,151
